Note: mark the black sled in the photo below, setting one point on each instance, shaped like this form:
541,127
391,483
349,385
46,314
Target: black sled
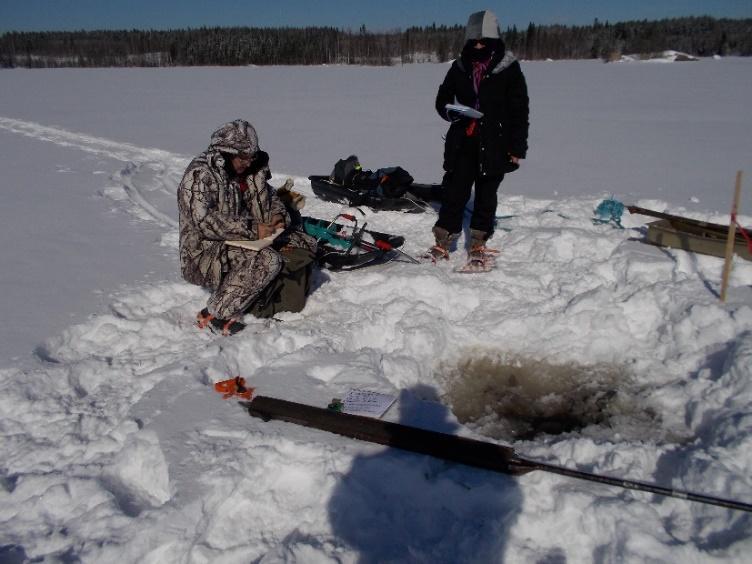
389,188
416,199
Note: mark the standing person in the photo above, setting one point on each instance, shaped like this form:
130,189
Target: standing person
224,196
487,78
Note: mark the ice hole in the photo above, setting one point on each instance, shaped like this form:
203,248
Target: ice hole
516,398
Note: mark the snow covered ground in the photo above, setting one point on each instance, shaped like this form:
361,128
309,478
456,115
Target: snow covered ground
115,448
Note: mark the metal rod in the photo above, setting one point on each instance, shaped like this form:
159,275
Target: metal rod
634,485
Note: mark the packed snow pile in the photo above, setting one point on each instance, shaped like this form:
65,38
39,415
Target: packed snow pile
584,348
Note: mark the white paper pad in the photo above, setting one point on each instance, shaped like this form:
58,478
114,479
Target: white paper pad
466,111
363,402
257,244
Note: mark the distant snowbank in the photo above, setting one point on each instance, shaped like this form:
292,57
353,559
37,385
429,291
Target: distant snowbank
663,57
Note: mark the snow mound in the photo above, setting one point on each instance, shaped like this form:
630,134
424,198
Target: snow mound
138,476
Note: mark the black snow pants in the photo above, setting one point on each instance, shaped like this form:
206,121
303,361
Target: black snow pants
458,184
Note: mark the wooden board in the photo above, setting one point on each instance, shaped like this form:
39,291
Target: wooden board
695,236
687,224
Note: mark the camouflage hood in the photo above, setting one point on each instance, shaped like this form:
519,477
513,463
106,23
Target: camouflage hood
235,137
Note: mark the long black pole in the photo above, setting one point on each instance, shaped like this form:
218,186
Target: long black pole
634,485
471,452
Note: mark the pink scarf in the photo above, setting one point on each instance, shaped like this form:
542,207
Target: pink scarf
479,69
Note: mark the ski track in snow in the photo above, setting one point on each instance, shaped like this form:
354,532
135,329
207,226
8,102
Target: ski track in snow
147,172
162,165
135,459
90,144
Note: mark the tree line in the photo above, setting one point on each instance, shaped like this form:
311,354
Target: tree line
699,36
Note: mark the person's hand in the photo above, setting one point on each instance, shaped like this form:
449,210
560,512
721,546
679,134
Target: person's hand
265,230
278,222
456,116
513,163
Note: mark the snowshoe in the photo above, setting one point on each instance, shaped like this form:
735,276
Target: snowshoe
336,260
329,231
479,259
348,247
435,254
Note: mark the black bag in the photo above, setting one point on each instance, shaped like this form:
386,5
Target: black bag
345,171
394,181
390,182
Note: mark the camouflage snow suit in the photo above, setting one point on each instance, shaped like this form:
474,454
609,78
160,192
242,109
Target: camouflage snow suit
214,207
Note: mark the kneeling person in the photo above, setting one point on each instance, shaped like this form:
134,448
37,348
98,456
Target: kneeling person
224,196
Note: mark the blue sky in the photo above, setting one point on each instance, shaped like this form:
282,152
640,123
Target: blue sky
38,15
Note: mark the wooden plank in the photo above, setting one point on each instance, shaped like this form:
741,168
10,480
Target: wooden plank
664,234
731,232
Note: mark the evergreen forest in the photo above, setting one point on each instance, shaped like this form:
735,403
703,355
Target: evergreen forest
695,36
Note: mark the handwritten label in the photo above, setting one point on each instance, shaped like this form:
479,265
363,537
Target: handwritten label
364,402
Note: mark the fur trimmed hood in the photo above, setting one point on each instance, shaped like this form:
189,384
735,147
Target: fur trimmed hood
505,62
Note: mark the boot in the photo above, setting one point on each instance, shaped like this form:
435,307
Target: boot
479,253
224,327
477,245
479,257
444,242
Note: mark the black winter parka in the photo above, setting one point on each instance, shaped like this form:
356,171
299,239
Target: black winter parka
503,99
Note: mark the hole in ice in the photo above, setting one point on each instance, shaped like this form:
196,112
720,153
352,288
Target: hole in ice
515,398
12,554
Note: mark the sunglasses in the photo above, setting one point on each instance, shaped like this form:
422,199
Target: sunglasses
245,157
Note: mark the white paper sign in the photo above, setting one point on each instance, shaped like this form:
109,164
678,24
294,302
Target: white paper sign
364,402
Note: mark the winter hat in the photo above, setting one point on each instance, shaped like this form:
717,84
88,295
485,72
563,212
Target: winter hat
235,137
482,24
